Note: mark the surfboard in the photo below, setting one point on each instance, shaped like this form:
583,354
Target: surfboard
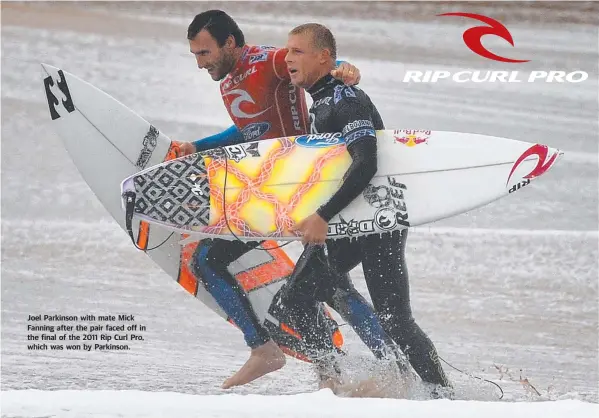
108,142
259,190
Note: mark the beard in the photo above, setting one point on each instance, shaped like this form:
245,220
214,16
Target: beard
225,66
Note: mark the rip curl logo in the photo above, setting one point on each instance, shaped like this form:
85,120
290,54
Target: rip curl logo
240,97
233,81
472,39
543,163
473,36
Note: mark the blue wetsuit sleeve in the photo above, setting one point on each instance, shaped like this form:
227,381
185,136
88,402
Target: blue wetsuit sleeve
229,136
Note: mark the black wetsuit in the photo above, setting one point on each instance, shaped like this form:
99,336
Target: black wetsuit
210,264
338,108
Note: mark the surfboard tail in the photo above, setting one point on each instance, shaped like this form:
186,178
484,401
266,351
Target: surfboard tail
177,193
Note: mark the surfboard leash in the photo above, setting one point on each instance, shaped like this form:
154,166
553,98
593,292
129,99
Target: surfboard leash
396,347
472,376
129,209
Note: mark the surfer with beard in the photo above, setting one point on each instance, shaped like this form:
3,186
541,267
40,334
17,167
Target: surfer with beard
256,90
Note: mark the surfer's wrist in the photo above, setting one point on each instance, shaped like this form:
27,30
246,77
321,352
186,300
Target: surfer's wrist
323,213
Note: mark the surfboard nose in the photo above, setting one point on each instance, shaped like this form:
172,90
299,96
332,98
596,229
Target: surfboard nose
533,163
48,68
553,156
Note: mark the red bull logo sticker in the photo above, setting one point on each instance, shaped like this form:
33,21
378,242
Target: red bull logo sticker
410,137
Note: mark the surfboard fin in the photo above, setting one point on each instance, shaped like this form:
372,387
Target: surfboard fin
129,197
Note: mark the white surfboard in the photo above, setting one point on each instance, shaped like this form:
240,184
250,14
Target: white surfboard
108,142
259,190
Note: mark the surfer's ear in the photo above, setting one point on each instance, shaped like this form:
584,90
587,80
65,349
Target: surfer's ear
325,55
230,42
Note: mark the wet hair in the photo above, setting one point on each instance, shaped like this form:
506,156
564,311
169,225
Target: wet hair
220,26
322,38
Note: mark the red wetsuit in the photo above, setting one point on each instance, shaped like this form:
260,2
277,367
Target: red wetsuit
263,104
260,98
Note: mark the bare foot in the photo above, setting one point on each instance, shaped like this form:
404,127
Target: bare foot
264,359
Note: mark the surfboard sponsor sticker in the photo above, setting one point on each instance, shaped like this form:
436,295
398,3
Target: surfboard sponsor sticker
234,152
253,131
411,137
544,161
65,102
351,228
320,140
148,145
391,213
385,219
356,125
518,186
241,151
390,201
256,58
